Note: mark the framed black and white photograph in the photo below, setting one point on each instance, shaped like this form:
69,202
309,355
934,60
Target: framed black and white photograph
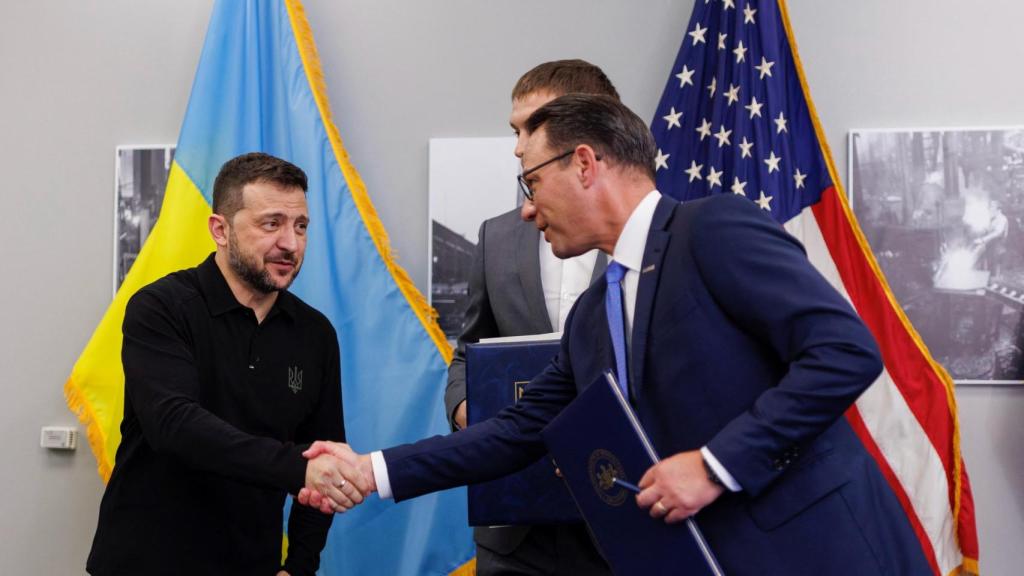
471,180
943,212
140,177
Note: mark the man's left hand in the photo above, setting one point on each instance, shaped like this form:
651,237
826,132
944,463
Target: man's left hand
677,488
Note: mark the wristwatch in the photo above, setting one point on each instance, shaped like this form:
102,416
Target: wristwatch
712,477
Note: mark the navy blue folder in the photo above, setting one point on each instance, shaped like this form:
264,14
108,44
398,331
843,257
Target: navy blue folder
596,439
496,374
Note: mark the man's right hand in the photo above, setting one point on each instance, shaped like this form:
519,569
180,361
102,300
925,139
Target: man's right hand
460,415
334,477
348,482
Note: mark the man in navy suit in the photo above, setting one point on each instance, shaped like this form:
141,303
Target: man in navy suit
741,362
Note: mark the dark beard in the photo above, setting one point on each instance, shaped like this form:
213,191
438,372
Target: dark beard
258,279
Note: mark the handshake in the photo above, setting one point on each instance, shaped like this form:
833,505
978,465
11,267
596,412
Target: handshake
337,478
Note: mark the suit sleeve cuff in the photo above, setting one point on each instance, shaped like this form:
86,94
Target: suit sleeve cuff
380,475
720,471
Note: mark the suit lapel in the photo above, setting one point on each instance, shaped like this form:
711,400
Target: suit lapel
528,265
650,274
599,266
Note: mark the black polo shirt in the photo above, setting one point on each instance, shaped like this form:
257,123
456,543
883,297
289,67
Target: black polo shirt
218,409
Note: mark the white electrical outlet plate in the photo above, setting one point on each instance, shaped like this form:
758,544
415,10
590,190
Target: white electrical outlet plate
59,437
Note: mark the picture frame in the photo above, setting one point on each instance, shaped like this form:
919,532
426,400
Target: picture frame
470,180
943,212
140,178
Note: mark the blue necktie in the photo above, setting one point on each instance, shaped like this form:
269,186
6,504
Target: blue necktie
613,307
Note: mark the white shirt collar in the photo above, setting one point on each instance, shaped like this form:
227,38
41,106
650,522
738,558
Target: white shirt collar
629,248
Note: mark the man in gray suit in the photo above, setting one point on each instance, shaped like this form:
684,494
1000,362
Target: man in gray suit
517,287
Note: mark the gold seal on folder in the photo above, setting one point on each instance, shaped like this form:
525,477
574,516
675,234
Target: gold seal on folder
603,468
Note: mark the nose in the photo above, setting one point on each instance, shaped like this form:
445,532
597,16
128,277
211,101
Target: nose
520,144
528,211
288,239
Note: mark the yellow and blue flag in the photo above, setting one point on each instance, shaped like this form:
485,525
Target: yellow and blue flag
259,87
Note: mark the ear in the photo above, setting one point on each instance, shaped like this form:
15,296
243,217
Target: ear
218,225
587,164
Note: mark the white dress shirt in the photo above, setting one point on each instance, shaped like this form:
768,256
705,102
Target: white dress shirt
563,281
628,251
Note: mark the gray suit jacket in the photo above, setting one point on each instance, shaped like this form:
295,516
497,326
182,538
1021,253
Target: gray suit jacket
506,298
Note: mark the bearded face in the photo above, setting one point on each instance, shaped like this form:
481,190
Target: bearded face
267,236
256,269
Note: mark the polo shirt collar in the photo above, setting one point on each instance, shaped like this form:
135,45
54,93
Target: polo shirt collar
285,303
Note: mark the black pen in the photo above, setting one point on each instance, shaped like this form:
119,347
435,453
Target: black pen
631,487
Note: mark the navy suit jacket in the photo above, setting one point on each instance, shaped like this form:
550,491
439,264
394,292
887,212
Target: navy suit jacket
738,344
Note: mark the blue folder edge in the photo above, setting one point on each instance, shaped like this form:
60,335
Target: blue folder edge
596,439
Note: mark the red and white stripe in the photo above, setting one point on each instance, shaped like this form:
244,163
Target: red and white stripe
907,419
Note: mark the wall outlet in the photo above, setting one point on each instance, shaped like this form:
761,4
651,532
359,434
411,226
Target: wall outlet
59,437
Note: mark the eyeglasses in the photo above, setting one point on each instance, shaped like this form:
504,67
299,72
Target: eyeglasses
524,187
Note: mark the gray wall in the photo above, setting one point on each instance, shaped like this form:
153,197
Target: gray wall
79,78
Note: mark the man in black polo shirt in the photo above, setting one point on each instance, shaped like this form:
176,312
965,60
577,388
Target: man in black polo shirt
228,377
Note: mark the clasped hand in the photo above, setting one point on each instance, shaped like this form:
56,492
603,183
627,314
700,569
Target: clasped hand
677,488
337,478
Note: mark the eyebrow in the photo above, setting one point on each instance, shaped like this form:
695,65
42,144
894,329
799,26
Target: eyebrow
281,215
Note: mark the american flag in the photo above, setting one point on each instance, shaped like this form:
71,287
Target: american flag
736,117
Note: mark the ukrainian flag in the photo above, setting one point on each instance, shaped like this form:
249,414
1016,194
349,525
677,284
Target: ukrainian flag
259,87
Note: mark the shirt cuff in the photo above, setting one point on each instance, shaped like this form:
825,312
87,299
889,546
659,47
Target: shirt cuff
380,475
720,471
